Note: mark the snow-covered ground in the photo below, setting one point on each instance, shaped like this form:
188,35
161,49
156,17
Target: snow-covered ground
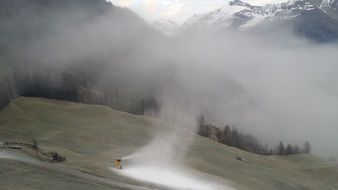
240,15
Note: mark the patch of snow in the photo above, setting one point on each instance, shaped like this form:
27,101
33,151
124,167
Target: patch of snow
330,8
173,177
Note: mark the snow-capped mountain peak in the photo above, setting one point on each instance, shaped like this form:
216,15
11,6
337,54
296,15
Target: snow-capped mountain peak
241,15
235,14
239,3
315,19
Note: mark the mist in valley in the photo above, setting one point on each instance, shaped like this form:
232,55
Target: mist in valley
280,87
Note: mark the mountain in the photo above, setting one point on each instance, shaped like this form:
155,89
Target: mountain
314,19
330,7
166,27
60,49
236,14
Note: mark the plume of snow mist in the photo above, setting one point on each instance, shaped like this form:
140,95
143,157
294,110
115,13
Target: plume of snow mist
159,162
173,177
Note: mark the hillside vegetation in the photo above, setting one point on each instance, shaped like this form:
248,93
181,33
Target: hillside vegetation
91,137
70,50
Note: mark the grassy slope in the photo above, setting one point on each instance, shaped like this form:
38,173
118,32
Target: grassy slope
92,136
17,175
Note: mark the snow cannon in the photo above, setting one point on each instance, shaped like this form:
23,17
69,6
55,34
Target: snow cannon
118,164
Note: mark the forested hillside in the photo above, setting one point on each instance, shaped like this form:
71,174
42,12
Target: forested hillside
65,49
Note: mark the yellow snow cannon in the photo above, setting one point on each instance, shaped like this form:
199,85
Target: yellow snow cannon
118,164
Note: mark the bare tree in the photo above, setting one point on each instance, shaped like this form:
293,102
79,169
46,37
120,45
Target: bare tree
280,148
289,150
307,147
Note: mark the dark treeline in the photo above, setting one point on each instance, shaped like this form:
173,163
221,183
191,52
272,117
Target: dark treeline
233,137
41,81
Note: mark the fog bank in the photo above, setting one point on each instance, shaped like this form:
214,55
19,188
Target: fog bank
277,87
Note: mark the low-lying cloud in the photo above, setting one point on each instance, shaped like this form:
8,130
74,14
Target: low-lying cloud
281,88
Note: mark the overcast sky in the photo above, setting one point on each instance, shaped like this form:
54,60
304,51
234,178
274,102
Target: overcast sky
177,10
